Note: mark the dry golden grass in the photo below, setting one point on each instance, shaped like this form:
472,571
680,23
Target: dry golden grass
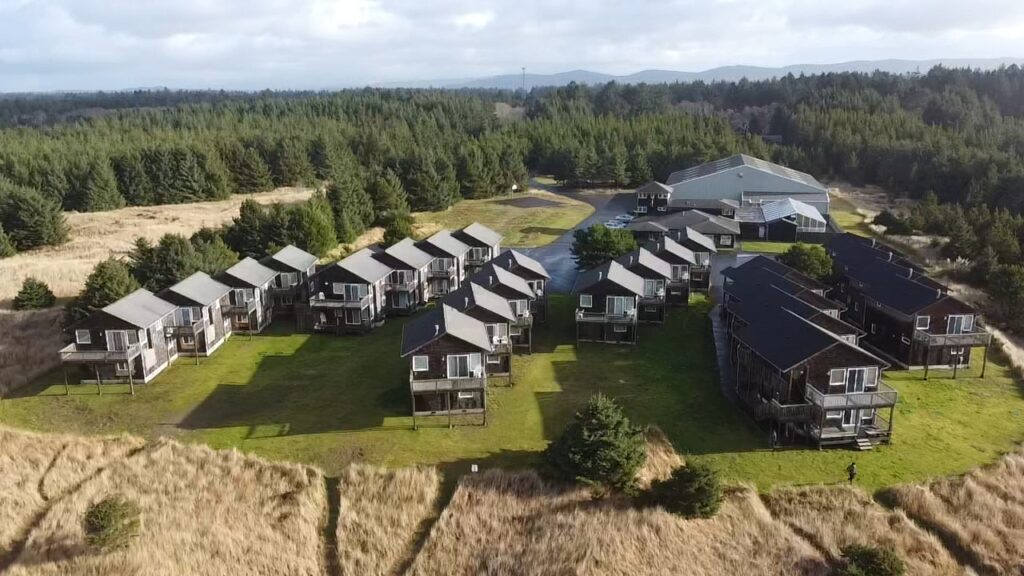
96,236
203,512
381,514
515,523
833,517
661,460
980,513
38,468
29,341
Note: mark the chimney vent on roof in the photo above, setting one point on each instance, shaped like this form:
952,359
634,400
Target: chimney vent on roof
599,274
910,272
467,301
872,242
938,293
437,329
890,256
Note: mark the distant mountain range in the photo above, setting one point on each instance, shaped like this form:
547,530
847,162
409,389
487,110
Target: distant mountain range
723,73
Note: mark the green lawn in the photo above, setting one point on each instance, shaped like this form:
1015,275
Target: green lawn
845,214
765,247
330,400
521,226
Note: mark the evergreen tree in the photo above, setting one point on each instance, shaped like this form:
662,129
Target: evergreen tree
29,219
251,172
692,491
962,240
312,226
389,196
397,227
348,203
321,158
598,244
132,180
638,168
212,254
248,233
158,267
34,294
95,188
186,179
109,281
7,248
600,447
290,163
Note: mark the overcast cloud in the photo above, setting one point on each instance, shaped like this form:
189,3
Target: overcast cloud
109,44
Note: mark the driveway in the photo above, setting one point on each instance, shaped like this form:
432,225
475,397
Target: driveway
556,257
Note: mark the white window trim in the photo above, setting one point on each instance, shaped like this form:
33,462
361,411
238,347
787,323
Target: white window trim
424,368
586,301
641,209
927,322
966,326
725,239
80,340
619,328
832,377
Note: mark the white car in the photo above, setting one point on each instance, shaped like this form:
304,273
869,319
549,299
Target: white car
615,224
625,218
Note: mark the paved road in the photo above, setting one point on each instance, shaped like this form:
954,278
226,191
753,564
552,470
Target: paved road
556,256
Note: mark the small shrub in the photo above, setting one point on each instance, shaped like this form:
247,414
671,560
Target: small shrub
7,248
871,561
600,447
893,223
693,491
34,294
112,523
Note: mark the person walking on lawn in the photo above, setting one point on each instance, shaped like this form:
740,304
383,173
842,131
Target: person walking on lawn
851,471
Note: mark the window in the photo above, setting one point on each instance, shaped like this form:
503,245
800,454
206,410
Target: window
349,292
83,337
477,253
287,299
464,366
537,286
618,305
493,359
680,272
515,331
353,317
662,209
621,328
521,308
833,414
497,333
188,341
923,322
121,368
420,363
856,380
837,377
440,264
960,324
586,301
641,209
654,288
703,258
725,239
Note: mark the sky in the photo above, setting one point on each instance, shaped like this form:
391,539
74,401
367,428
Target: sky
313,44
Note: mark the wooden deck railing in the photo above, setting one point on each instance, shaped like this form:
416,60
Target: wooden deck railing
603,317
967,339
447,384
71,353
339,302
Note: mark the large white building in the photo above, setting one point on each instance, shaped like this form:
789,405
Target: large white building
724,185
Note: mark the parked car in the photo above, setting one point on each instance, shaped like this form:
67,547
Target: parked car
625,218
616,224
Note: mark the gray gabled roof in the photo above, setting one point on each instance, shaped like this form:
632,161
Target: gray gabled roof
789,207
471,294
654,187
444,240
614,272
365,266
645,225
251,272
510,259
406,252
140,308
647,259
201,289
295,258
482,233
443,321
670,246
738,160
687,233
490,275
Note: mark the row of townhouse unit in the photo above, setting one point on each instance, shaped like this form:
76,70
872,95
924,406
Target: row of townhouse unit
698,243
636,287
482,316
137,337
796,365
908,318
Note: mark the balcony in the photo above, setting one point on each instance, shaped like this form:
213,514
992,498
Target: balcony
439,272
500,347
408,286
277,290
965,339
192,329
606,318
656,298
447,384
477,260
524,321
72,354
789,412
882,396
245,307
340,302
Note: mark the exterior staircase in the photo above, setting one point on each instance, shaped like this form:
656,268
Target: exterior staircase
864,444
